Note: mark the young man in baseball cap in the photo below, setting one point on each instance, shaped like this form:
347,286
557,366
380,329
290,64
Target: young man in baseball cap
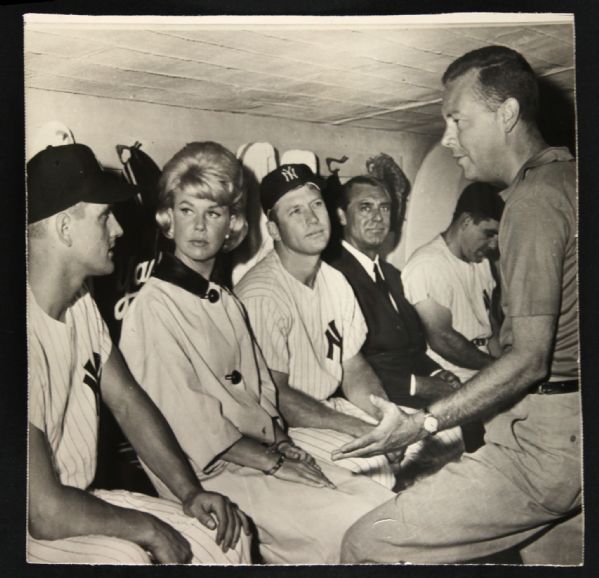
72,365
309,325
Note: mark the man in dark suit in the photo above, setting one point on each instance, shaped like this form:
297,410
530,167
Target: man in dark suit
396,345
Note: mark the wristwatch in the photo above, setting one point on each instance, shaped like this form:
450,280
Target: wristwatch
430,423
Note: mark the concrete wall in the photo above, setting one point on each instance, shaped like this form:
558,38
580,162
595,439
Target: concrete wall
103,123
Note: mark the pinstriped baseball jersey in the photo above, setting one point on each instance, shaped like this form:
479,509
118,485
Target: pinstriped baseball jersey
98,549
65,364
433,271
303,332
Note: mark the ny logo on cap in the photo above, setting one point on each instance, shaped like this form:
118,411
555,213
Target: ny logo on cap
289,174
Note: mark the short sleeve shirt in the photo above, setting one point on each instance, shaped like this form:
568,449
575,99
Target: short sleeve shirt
65,367
537,243
305,332
434,272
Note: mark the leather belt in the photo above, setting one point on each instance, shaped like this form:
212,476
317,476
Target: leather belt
554,387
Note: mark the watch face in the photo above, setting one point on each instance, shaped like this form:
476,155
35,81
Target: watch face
430,424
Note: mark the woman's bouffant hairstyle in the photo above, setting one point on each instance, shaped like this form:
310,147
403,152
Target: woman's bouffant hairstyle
206,170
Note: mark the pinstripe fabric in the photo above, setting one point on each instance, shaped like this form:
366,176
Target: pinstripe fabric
307,333
181,348
441,448
61,403
109,550
321,442
85,550
291,322
65,359
434,272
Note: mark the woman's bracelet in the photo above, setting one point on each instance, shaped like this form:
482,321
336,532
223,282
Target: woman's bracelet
276,467
276,446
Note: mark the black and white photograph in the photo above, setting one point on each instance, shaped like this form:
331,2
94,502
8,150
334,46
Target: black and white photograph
303,290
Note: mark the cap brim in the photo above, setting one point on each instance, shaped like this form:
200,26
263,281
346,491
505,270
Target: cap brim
318,181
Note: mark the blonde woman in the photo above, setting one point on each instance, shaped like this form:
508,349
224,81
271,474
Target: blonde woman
187,339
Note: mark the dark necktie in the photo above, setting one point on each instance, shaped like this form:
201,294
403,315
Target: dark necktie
381,283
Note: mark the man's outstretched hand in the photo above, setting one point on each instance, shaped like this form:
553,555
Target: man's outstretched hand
395,430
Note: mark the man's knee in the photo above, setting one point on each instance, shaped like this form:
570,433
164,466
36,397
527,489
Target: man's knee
86,550
359,543
131,553
110,550
351,546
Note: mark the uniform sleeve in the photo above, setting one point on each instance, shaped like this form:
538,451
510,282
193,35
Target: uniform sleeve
354,324
268,390
271,329
533,241
152,345
38,384
424,279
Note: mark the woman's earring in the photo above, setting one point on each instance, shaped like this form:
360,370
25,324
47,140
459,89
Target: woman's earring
227,236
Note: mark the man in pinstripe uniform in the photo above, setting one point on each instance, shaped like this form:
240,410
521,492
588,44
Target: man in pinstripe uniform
309,324
72,362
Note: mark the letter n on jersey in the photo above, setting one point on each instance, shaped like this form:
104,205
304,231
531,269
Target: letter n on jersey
93,371
334,339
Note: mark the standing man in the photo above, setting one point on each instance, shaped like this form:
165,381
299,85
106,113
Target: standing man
525,482
309,325
72,366
450,283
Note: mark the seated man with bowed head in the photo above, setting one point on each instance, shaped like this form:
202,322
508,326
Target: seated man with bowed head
309,325
187,339
72,365
450,283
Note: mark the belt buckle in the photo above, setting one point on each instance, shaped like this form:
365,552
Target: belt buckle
554,387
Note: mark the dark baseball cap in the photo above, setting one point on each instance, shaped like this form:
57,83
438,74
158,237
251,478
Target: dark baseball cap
284,179
62,176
